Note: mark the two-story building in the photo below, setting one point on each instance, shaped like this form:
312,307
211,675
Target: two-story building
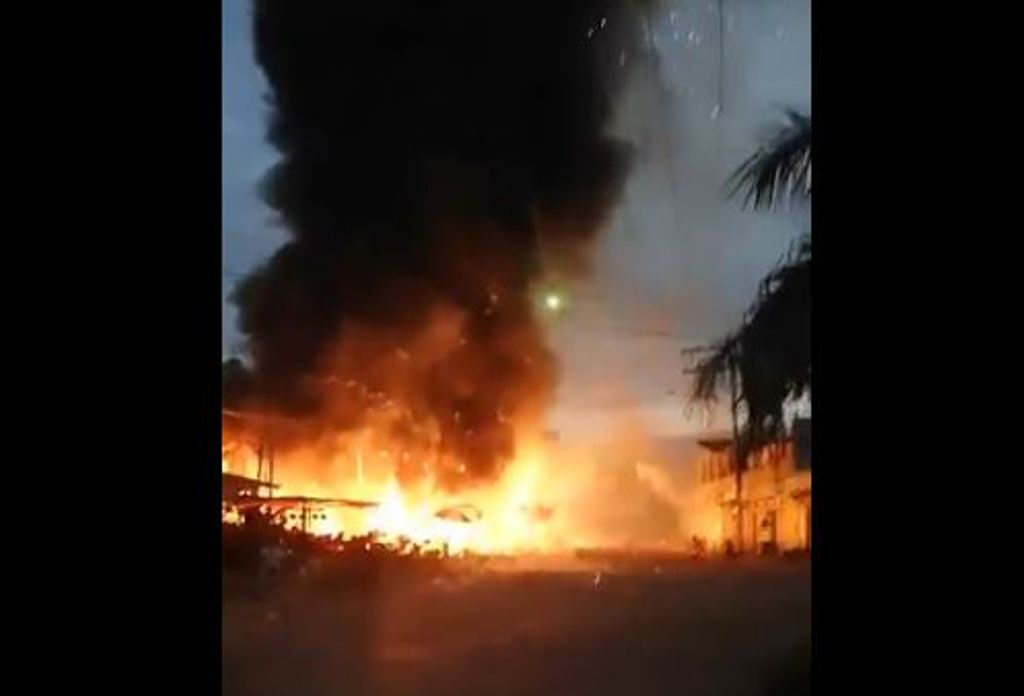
774,506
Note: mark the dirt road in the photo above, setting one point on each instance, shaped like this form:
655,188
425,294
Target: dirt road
700,629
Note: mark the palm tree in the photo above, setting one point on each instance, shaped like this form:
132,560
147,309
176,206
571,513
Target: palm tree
780,170
767,359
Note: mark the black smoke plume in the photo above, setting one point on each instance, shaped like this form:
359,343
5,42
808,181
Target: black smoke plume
436,157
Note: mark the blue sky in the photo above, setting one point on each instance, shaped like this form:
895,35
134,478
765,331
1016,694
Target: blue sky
676,257
247,232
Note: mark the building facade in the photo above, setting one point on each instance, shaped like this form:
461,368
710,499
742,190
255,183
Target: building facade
773,509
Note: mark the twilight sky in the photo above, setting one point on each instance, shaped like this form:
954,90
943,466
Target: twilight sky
676,258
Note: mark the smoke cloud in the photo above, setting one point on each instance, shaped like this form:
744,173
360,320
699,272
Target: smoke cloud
437,159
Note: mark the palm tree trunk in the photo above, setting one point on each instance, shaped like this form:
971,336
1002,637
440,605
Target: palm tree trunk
737,459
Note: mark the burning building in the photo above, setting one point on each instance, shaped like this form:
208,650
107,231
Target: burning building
773,509
235,488
437,167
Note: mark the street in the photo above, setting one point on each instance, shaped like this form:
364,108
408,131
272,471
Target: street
697,628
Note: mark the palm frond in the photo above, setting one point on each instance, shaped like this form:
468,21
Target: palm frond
712,370
770,351
780,170
775,347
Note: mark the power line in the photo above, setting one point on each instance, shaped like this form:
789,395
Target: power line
720,98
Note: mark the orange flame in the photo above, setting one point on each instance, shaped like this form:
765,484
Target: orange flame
537,504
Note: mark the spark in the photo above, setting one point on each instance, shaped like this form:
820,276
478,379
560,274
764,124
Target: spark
553,301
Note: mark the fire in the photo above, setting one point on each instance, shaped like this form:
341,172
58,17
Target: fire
495,519
230,515
396,520
545,500
500,516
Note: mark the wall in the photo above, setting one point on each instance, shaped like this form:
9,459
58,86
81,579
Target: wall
773,485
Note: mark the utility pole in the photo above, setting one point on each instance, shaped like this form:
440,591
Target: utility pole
720,96
270,488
